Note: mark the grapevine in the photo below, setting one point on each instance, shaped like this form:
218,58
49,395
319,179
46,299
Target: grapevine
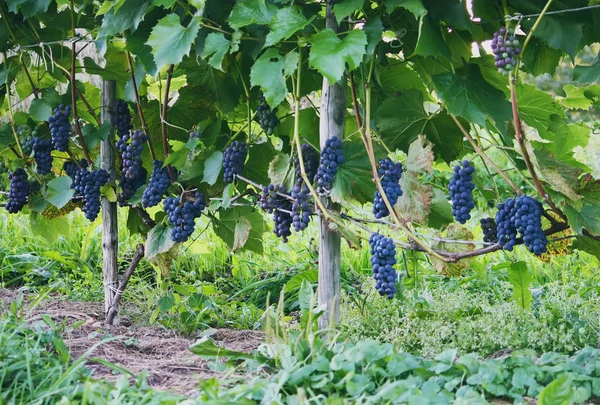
233,160
60,128
461,191
523,215
157,186
131,146
130,186
301,209
26,136
331,158
389,174
18,192
182,214
488,226
273,202
383,259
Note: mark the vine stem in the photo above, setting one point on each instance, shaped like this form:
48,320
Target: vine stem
535,26
366,137
11,119
523,145
139,105
297,141
355,102
481,153
165,109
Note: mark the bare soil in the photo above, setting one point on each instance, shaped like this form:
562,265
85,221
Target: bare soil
162,353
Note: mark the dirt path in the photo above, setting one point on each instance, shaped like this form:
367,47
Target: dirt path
162,353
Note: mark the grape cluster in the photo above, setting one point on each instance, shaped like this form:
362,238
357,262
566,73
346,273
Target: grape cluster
267,117
131,146
310,159
233,160
461,191
42,152
506,48
130,186
18,191
157,186
383,259
490,231
331,158
87,184
523,215
182,215
60,127
279,206
301,209
26,135
71,168
122,118
389,174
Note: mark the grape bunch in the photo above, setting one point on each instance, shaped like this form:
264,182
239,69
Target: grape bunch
18,191
383,259
42,152
157,186
122,118
389,174
310,159
506,48
60,127
331,158
301,209
490,231
280,207
267,117
523,215
233,160
461,191
182,215
131,146
71,168
130,186
87,184
26,135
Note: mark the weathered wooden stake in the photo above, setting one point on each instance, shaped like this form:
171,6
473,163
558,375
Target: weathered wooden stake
110,230
333,113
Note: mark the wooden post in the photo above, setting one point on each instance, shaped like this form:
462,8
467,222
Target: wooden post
333,113
110,230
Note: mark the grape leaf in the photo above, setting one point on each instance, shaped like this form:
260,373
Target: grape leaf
457,232
590,155
541,58
397,76
246,12
353,179
257,165
290,63
536,107
329,54
400,120
576,98
49,229
170,41
585,213
127,17
28,8
159,241
559,33
587,74
212,168
374,30
588,245
267,72
520,279
278,168
414,6
472,98
441,211
59,191
285,23
562,177
415,202
344,8
215,47
227,226
566,138
431,42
